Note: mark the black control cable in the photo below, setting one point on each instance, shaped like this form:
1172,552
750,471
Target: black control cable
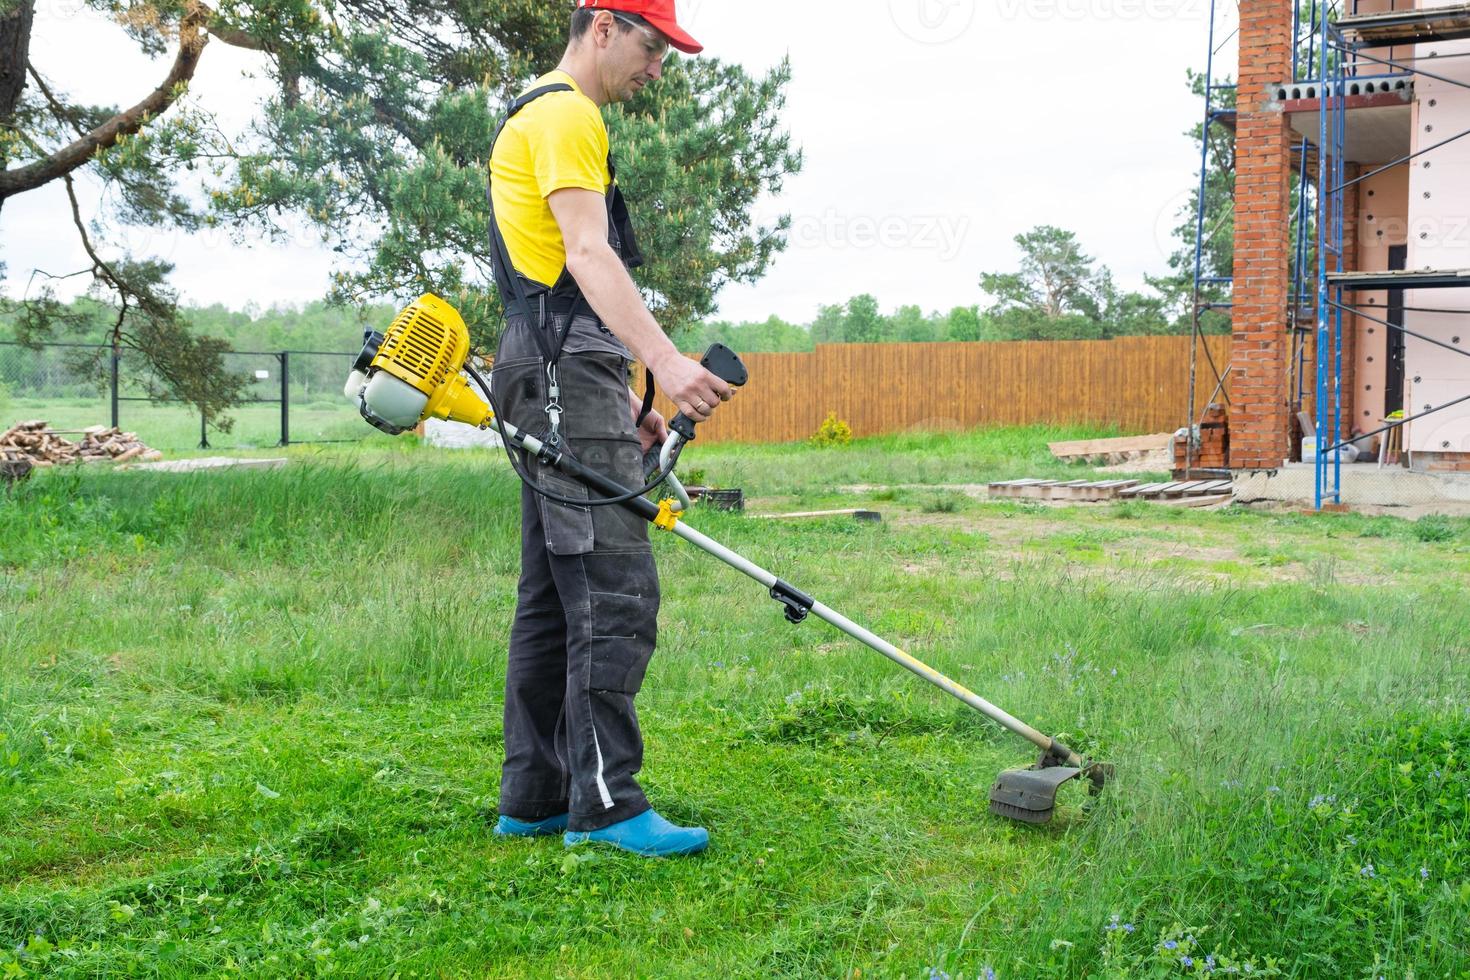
530,481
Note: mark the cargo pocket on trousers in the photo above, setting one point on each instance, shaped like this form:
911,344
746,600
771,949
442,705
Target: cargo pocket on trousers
624,630
568,528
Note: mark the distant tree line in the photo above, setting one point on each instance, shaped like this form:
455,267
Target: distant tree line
316,326
319,325
1058,292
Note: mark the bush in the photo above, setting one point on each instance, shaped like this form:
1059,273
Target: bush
1433,527
833,432
942,504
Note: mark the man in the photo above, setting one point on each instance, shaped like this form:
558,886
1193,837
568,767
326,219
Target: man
587,603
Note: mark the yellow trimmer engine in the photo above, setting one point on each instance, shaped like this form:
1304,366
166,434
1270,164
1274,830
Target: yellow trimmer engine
412,372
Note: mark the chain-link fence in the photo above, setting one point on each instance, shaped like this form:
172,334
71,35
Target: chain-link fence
292,397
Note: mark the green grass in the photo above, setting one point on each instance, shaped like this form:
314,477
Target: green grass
250,723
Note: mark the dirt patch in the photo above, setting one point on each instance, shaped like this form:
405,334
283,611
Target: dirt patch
928,566
979,491
1114,550
1091,544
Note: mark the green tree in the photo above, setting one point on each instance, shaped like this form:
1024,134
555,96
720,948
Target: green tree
377,135
1131,314
962,323
909,325
1061,293
770,335
1056,278
829,326
863,323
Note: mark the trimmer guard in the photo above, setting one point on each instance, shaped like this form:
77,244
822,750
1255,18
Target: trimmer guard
1030,795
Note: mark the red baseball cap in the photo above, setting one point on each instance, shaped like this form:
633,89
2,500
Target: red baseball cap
659,13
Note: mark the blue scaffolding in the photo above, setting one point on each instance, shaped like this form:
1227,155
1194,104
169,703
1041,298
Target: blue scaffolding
1344,42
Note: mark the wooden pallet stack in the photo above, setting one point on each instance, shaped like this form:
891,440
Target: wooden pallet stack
1081,491
1189,493
1213,451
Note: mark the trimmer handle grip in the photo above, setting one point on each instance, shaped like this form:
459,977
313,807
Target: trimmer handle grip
724,364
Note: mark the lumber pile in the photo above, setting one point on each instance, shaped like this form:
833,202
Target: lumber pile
1213,450
1076,490
1209,491
1186,494
1108,452
38,444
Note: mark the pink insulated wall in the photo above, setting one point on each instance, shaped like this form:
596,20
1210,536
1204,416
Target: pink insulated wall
1439,238
1383,222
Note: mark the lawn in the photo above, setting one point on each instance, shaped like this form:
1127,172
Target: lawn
250,723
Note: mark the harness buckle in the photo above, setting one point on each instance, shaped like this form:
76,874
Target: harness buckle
553,400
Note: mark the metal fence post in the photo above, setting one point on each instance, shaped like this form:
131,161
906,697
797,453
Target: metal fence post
114,386
285,357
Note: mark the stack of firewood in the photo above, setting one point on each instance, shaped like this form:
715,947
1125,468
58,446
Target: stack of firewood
40,445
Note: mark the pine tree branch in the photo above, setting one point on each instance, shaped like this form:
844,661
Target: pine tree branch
58,111
62,162
100,269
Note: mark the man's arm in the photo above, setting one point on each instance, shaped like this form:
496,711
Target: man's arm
582,217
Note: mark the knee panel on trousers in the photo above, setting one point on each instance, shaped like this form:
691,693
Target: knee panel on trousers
624,631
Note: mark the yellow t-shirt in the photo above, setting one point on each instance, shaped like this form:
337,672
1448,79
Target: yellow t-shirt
556,142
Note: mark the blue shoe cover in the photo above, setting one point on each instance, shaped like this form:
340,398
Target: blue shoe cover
511,827
647,834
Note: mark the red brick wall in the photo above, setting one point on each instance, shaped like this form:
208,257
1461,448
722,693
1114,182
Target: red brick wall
1442,462
1259,417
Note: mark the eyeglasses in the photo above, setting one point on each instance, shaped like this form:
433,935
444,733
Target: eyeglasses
655,45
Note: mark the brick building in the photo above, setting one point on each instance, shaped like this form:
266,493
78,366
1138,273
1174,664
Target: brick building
1378,317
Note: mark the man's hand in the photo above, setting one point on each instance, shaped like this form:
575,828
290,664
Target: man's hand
689,386
654,429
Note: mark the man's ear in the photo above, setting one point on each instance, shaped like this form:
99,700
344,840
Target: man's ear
603,26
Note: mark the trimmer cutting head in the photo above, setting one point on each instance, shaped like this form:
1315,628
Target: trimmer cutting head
1030,795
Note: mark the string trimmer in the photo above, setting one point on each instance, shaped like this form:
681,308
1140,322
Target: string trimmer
421,368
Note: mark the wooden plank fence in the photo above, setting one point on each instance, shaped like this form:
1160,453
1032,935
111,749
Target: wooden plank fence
1137,383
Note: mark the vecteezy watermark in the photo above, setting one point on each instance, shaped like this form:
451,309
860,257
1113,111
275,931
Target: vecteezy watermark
1172,216
932,21
942,233
1098,10
1449,232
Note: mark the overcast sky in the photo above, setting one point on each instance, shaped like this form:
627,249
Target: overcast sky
934,131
